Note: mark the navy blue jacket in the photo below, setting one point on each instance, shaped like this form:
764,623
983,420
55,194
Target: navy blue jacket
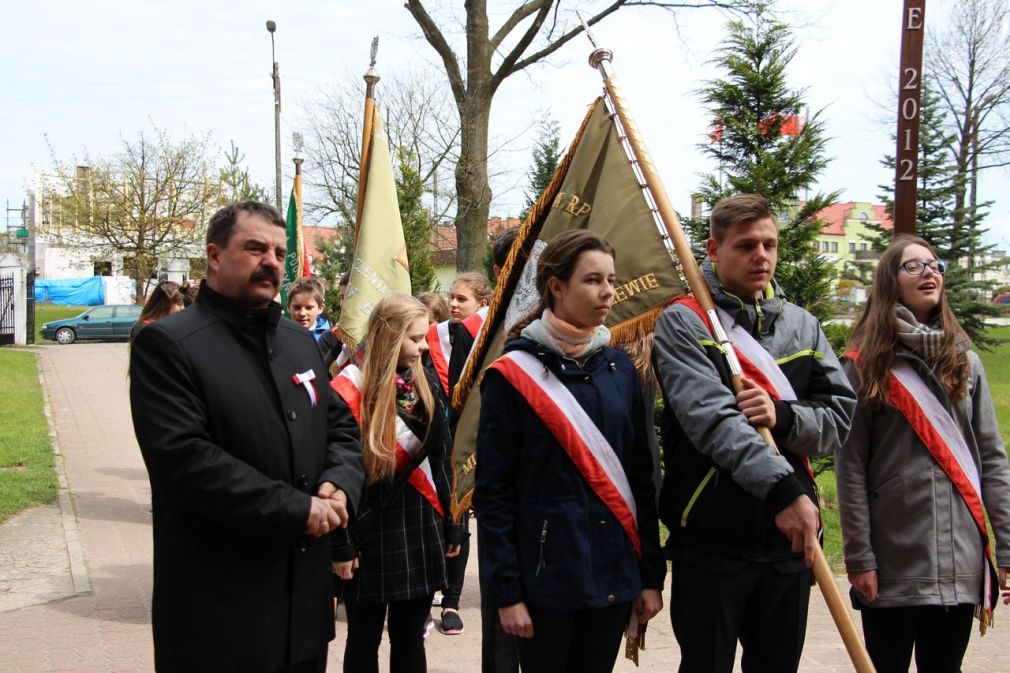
555,543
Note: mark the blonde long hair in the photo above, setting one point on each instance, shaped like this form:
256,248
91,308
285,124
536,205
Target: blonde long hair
385,332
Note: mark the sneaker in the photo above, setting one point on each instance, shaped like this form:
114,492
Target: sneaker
429,624
451,623
436,600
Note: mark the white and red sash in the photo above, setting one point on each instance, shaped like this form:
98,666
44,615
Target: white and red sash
343,357
592,454
440,346
757,364
942,437
348,385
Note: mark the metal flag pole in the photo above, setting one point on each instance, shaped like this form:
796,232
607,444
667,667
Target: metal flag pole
600,59
371,79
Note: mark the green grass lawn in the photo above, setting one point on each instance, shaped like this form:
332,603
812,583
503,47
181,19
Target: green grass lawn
997,369
27,477
49,312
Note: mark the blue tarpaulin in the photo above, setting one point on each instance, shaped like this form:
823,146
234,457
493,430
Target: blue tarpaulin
71,291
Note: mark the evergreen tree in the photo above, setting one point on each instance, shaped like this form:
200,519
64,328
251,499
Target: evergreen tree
417,224
762,145
954,233
236,185
337,256
546,155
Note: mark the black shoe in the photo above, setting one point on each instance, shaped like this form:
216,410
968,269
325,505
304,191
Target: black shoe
451,623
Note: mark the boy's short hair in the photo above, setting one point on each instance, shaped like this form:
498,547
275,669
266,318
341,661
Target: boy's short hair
736,209
311,286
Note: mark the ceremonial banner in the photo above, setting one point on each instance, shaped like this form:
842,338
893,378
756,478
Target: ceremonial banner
296,263
379,265
595,187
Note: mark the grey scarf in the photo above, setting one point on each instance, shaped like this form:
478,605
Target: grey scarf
923,340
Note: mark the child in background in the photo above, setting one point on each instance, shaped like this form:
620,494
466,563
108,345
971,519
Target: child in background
438,309
305,304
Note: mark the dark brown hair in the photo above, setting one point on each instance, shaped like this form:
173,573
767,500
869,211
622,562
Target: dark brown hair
502,245
736,209
159,303
222,223
875,335
558,260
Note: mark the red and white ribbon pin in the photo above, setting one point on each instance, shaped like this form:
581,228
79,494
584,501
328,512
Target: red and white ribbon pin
305,379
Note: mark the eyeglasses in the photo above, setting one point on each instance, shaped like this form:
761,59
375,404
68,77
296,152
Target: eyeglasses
917,267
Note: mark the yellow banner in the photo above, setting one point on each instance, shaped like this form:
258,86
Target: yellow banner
380,264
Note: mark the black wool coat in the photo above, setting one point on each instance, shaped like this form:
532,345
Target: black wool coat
234,449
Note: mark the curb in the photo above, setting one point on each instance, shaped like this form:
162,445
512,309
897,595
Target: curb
71,530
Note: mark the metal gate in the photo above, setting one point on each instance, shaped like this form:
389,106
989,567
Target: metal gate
30,307
7,310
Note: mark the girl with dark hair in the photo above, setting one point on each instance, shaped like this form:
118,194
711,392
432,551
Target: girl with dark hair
922,465
165,299
564,486
393,555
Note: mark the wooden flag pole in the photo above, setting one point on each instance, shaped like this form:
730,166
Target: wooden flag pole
371,79
906,156
600,59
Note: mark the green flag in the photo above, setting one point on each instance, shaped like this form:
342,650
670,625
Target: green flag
595,187
380,264
294,261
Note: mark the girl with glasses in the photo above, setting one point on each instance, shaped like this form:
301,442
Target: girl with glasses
922,466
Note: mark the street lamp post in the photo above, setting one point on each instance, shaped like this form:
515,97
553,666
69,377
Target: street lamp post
276,76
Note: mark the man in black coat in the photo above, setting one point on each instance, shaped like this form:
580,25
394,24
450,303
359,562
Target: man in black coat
252,459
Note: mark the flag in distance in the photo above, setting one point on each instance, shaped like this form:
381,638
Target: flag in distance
595,188
379,265
296,262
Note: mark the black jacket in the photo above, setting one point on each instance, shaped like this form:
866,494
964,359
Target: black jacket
397,535
234,450
555,543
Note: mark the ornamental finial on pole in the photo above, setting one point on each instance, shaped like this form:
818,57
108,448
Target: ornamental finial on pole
371,76
600,55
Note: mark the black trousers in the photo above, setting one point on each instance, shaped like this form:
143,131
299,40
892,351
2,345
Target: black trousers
499,652
940,637
762,608
580,641
317,665
455,570
406,635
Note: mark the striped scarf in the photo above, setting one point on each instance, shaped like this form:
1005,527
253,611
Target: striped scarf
924,340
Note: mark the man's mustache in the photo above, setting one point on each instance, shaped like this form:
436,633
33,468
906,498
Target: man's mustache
265,274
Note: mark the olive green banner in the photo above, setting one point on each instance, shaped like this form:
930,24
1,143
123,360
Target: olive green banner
596,188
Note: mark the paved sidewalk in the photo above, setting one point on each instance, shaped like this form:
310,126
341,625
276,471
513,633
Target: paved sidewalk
108,628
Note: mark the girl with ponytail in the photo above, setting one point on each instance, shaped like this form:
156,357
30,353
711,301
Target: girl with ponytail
564,492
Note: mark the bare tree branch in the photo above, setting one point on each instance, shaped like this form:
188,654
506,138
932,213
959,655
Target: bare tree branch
435,38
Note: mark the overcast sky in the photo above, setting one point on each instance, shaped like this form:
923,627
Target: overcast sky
81,73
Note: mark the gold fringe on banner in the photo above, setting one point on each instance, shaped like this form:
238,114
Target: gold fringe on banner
528,233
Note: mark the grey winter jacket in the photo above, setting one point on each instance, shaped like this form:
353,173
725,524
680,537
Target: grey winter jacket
902,516
723,484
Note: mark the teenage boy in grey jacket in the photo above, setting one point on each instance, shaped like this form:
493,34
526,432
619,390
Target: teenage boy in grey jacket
743,518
